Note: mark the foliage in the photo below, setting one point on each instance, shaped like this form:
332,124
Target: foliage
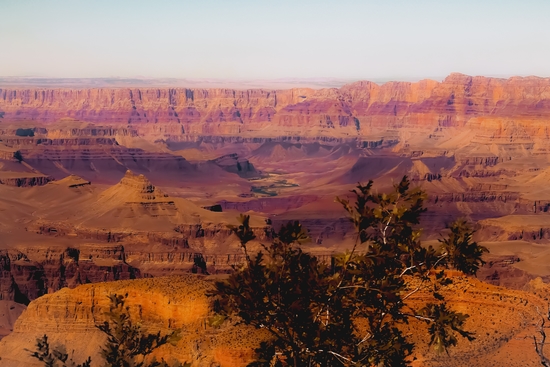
56,357
127,344
17,155
349,312
443,322
463,254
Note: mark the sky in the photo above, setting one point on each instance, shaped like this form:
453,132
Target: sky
257,39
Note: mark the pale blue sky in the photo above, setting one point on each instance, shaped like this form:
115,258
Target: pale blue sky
354,39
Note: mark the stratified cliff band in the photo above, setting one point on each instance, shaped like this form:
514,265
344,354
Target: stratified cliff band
354,109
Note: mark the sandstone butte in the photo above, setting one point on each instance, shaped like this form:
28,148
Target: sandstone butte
357,109
503,321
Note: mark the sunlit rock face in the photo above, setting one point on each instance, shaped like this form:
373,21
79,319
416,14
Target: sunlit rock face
497,317
354,109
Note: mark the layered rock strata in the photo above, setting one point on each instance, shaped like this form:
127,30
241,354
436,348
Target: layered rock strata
500,319
354,109
25,181
32,272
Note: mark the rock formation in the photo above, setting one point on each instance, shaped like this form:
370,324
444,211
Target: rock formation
234,164
28,274
9,313
355,109
24,181
502,320
478,146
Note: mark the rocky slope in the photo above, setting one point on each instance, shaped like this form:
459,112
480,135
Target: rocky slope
501,319
9,313
71,232
161,304
133,212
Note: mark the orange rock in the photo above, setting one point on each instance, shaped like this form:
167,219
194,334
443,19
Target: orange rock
503,321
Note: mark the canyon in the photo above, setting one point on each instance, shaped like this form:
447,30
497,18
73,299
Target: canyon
118,184
476,145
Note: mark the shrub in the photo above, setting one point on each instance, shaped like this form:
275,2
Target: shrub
347,313
127,344
463,253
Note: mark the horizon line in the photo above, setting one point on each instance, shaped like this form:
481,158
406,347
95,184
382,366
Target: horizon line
234,83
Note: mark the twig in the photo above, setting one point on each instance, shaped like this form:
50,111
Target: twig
341,357
419,317
411,293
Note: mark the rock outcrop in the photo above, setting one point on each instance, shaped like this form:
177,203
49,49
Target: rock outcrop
161,304
355,109
30,273
500,319
234,164
25,181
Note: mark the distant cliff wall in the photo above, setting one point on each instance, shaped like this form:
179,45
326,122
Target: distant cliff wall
355,109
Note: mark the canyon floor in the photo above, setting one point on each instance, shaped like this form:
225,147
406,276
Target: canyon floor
113,184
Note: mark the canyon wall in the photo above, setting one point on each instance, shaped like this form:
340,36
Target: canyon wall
28,274
355,109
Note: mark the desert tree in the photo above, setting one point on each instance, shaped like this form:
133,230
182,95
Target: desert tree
349,312
127,344
461,251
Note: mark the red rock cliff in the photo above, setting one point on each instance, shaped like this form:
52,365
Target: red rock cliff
357,108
